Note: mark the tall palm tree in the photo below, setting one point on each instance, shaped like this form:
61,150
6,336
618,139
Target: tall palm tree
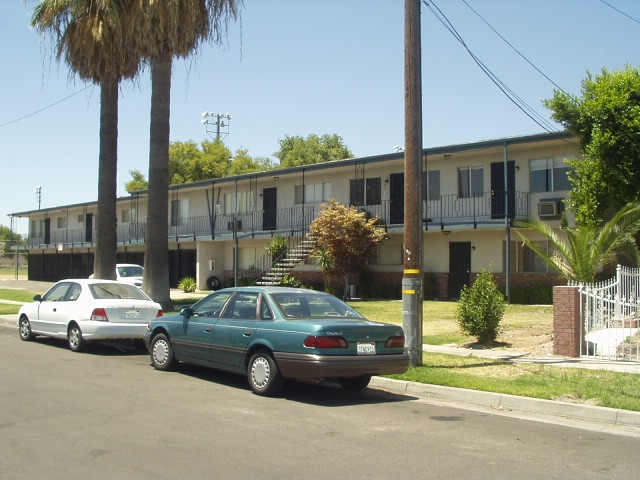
91,36
582,252
164,30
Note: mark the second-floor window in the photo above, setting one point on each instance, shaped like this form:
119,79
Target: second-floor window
179,210
61,222
431,185
246,203
470,182
313,193
365,191
549,175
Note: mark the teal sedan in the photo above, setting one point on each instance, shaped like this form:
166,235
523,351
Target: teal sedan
271,334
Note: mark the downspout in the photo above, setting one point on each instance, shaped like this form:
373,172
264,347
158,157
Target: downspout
507,224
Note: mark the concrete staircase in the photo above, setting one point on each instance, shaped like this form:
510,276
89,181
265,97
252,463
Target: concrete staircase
287,262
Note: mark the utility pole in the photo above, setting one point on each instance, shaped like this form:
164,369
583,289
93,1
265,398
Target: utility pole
215,123
38,193
412,279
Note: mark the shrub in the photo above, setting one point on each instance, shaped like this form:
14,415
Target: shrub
290,281
481,308
187,284
277,246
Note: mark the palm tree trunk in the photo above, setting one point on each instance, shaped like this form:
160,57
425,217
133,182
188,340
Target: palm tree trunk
156,258
104,265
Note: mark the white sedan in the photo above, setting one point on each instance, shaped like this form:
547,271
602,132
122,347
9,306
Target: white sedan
83,310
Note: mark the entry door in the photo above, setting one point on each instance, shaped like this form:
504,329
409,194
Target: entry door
396,198
497,189
459,267
88,228
47,231
269,208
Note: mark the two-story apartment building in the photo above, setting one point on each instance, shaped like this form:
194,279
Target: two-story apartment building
218,228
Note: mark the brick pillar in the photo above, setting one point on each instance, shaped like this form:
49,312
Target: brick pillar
566,321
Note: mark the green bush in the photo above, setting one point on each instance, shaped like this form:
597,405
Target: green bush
187,284
290,281
481,308
277,246
532,295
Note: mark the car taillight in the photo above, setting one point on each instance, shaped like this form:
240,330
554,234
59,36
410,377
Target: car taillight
160,313
315,341
393,342
99,314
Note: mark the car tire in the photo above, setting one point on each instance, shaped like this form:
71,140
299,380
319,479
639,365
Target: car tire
161,353
74,338
354,384
263,375
213,283
24,327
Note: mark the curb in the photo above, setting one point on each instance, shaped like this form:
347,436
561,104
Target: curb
506,402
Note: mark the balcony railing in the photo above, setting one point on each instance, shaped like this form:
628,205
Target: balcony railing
445,211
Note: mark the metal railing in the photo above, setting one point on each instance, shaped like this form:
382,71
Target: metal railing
609,316
446,210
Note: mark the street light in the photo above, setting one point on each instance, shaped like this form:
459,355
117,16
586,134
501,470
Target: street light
215,124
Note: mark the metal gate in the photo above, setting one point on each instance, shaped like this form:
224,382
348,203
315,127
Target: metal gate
609,315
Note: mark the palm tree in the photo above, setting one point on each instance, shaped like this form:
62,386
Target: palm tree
164,30
91,37
585,250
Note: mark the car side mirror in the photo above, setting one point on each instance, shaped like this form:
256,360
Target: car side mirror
187,312
38,298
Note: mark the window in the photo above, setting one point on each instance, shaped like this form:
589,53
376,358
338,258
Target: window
431,185
314,193
365,191
525,260
61,222
470,182
126,215
80,218
246,203
179,211
549,175
212,305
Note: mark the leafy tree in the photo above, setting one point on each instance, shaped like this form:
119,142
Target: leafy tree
481,308
164,30
296,151
606,118
137,183
347,236
582,252
93,39
7,235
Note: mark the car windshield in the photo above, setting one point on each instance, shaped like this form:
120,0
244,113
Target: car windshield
103,291
130,271
312,305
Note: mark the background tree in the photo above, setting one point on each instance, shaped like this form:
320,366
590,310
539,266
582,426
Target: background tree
7,235
583,252
347,236
164,30
606,118
93,39
296,151
137,183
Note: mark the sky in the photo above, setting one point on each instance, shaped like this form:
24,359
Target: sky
300,67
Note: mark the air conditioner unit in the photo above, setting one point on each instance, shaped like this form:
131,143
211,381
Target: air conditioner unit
238,225
548,209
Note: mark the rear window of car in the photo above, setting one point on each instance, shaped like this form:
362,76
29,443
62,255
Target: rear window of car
104,291
309,305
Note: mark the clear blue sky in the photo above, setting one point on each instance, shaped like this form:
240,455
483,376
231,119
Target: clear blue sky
296,67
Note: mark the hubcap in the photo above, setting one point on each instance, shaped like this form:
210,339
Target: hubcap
160,352
260,372
25,331
74,337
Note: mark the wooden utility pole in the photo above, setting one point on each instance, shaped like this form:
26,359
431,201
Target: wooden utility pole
412,288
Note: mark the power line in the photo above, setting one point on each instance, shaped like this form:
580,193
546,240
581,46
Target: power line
619,11
504,88
45,108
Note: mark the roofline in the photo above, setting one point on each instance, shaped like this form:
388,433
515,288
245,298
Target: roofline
482,144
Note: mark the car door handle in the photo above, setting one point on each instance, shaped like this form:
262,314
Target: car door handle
247,333
208,329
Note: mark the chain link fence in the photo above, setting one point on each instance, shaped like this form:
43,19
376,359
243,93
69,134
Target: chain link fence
14,260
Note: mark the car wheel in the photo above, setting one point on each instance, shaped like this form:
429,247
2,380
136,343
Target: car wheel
263,374
74,338
355,384
161,353
213,283
25,329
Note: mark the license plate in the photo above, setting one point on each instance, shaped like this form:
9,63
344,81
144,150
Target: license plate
132,314
368,348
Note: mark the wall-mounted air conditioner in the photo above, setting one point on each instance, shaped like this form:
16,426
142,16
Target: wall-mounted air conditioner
548,209
238,225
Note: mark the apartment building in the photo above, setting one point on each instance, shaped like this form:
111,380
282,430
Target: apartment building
218,229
